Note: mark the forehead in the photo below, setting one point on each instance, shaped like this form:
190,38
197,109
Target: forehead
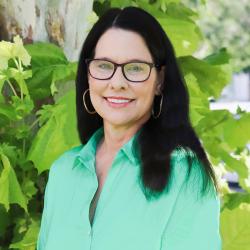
121,45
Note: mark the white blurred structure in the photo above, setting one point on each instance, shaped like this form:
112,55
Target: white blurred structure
237,93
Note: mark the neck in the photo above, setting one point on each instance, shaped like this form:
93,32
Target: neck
115,138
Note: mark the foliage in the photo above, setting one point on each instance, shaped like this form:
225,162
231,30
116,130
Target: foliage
35,129
226,24
37,122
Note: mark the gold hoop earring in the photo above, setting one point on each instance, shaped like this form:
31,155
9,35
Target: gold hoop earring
153,112
84,103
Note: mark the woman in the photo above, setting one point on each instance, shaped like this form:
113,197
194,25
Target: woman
141,180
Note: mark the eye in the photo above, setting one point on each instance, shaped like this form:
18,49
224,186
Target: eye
134,67
105,66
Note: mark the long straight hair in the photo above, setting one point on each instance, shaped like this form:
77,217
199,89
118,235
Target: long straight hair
172,130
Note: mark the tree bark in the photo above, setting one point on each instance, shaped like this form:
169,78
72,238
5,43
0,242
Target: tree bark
63,22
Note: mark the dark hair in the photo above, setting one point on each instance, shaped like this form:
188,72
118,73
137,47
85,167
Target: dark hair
172,130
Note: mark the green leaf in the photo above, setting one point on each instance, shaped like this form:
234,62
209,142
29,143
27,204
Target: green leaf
3,78
10,151
45,113
211,78
221,152
183,32
19,51
22,132
61,74
23,106
213,120
14,50
30,238
199,105
120,4
20,76
28,188
180,11
233,131
16,74
49,65
220,57
234,164
8,111
10,191
235,228
232,201
5,54
57,135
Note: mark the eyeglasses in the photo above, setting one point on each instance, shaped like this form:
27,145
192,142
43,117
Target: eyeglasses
135,71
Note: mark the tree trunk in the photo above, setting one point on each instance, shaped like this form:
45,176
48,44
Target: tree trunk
63,22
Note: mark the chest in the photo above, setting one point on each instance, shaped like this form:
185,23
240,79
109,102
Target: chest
121,212
103,164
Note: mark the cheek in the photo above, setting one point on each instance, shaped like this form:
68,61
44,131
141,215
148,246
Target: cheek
146,94
96,89
95,92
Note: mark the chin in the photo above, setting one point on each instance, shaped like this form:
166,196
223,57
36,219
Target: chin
117,122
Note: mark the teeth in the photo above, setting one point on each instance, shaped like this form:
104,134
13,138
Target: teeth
117,100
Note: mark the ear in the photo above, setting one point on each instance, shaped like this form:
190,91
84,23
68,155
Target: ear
160,81
158,89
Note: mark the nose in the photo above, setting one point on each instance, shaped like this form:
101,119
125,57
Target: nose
118,80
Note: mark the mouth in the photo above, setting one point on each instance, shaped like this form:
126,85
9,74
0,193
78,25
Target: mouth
117,102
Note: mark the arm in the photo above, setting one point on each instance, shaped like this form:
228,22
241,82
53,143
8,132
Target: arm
194,223
43,227
45,220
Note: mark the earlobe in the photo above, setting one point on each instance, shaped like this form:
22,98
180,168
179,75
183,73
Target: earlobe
160,81
158,89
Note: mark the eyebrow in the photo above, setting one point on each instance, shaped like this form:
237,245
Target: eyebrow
130,60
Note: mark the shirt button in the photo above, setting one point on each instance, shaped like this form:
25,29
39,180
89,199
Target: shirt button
89,232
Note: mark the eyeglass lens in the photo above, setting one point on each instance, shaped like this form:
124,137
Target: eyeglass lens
134,71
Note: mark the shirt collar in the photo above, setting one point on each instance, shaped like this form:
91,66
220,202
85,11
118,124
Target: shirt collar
86,155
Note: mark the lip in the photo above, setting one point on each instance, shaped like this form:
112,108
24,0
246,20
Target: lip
118,105
118,97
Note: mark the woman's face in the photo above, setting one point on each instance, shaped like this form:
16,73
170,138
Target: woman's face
121,46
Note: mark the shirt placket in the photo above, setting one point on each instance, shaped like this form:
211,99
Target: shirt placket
105,195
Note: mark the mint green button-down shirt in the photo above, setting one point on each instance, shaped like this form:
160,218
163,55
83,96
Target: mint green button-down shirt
124,219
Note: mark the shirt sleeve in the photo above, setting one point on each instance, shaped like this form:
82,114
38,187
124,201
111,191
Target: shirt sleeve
194,223
45,220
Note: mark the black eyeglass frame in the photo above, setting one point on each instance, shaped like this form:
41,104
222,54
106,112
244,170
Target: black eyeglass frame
116,65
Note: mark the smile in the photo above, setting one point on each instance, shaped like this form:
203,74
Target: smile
118,102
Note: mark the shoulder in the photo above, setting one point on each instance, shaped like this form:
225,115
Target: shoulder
180,154
64,163
183,160
191,173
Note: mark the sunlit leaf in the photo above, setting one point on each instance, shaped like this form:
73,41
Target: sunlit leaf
235,228
28,188
211,78
232,201
20,52
233,131
5,54
199,105
30,238
57,135
183,32
10,191
45,113
13,50
8,111
49,65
